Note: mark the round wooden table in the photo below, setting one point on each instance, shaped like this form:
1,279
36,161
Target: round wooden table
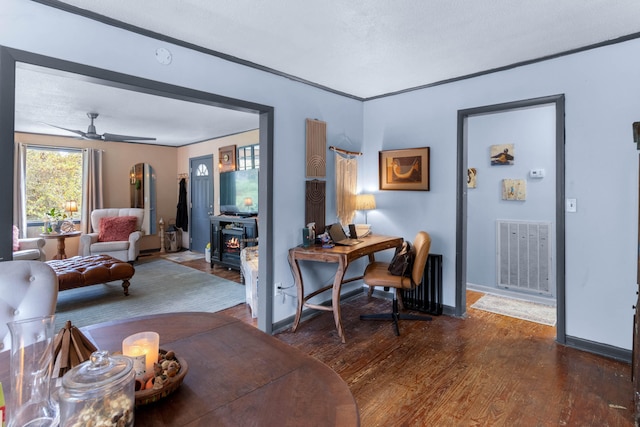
238,375
61,237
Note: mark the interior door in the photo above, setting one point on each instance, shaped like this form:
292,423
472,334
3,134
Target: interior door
201,201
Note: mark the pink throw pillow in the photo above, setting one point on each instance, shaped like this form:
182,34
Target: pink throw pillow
16,236
116,228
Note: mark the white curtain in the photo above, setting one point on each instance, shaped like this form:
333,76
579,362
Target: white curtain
92,188
20,189
346,185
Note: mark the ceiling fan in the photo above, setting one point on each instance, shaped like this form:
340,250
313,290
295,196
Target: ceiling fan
91,133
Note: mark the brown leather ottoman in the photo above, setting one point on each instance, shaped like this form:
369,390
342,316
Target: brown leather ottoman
80,271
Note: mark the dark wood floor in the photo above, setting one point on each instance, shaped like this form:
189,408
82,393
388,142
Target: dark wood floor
483,370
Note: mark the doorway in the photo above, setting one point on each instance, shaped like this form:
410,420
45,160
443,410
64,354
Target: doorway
201,176
558,265
9,58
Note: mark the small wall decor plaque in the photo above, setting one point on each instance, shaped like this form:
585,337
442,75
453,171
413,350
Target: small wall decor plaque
514,189
471,177
406,169
502,154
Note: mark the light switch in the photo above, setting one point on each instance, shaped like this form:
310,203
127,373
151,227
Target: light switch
571,205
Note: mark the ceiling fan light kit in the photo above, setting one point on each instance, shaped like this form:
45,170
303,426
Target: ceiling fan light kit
91,133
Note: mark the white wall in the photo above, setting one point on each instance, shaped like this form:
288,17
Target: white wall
532,132
602,101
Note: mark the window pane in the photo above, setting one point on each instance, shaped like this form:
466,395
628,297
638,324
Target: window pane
242,160
54,176
256,156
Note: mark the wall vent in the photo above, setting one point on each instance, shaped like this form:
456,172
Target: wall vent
523,256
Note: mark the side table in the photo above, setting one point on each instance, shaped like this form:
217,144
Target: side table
61,237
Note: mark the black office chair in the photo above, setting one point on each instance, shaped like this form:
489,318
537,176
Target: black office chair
377,274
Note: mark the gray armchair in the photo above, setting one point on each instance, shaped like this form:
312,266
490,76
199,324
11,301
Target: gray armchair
126,249
30,249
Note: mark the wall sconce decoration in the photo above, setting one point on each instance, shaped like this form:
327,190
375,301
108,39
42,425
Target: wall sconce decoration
227,160
365,202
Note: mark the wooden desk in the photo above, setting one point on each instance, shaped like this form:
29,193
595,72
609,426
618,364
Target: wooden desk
238,375
342,255
60,236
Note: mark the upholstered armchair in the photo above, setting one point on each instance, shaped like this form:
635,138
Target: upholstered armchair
116,232
30,249
27,289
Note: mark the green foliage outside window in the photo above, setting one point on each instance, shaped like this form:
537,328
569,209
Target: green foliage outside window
54,176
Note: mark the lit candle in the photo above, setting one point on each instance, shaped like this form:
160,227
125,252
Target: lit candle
143,349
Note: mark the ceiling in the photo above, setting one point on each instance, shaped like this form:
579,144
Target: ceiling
360,48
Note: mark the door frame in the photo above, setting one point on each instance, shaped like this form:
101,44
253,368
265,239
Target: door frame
461,202
8,59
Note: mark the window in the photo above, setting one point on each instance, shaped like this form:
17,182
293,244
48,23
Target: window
53,177
249,157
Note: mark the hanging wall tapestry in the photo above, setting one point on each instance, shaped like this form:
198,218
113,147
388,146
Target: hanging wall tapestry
346,185
316,149
315,196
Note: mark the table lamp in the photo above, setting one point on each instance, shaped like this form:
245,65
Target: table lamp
248,202
365,202
71,206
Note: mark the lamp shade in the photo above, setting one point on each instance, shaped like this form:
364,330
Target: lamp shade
248,201
365,202
71,206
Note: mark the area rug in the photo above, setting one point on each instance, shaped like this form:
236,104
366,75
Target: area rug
183,256
511,307
158,286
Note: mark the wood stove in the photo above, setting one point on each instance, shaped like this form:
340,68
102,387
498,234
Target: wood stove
229,235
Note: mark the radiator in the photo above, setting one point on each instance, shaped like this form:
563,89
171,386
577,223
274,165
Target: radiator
427,297
524,256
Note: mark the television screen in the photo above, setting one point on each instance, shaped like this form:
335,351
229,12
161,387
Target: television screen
239,192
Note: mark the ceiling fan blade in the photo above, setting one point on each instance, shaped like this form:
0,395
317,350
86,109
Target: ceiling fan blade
79,132
124,138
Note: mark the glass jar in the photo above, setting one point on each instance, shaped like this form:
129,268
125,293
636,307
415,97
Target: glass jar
100,390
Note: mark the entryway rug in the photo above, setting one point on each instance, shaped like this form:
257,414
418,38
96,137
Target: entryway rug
183,256
525,310
158,286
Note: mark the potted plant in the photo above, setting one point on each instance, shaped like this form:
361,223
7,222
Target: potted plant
55,217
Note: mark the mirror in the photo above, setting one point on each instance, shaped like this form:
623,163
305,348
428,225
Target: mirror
142,184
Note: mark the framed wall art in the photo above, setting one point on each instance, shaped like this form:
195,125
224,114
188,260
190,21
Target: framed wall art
502,155
514,189
472,174
227,158
406,169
